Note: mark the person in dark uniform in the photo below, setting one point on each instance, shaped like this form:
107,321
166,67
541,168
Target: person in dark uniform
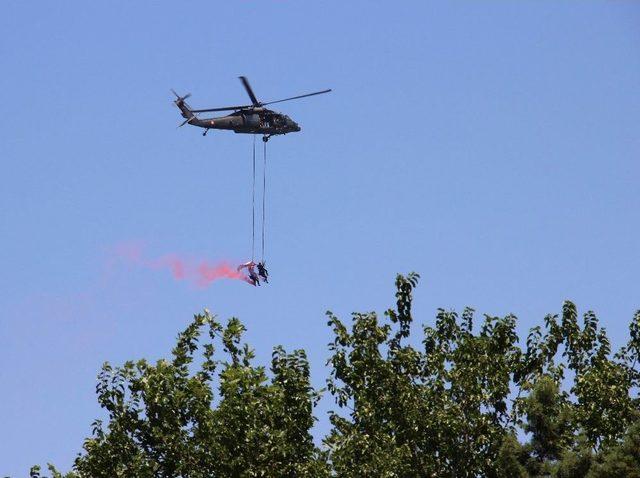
262,272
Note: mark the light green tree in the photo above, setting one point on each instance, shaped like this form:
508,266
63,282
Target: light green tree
459,400
166,419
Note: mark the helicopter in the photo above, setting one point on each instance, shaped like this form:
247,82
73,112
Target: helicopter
248,119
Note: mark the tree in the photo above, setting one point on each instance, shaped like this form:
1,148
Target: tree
440,411
510,456
622,459
165,420
576,461
452,407
451,403
548,420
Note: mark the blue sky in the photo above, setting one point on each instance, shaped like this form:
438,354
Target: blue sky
491,146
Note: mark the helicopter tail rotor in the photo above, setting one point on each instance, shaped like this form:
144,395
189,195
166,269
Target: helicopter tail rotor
180,99
185,109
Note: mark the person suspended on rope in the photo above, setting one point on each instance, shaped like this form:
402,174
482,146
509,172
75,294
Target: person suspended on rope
252,276
262,272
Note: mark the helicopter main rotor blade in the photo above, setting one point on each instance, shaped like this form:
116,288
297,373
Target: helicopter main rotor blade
297,97
225,108
247,87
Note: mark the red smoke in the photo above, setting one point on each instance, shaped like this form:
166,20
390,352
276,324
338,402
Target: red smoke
200,272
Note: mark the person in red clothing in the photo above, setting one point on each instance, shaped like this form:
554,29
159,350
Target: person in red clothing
253,278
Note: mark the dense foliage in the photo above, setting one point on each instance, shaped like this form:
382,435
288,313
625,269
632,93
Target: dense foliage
465,400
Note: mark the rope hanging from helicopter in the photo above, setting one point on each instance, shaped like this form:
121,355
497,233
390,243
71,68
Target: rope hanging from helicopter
264,193
253,200
253,204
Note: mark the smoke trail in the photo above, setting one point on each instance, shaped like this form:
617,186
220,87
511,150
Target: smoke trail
199,272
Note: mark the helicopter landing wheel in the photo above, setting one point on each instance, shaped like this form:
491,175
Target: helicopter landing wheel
265,138
205,132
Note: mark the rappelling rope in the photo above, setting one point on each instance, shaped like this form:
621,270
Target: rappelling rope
253,203
264,192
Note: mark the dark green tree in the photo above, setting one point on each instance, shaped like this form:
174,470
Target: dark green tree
548,420
510,458
621,460
576,461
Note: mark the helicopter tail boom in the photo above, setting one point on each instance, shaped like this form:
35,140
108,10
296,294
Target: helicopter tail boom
185,109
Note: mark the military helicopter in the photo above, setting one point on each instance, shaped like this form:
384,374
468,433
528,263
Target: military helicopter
249,119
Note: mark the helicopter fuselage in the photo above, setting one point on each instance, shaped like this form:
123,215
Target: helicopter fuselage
253,118
253,121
